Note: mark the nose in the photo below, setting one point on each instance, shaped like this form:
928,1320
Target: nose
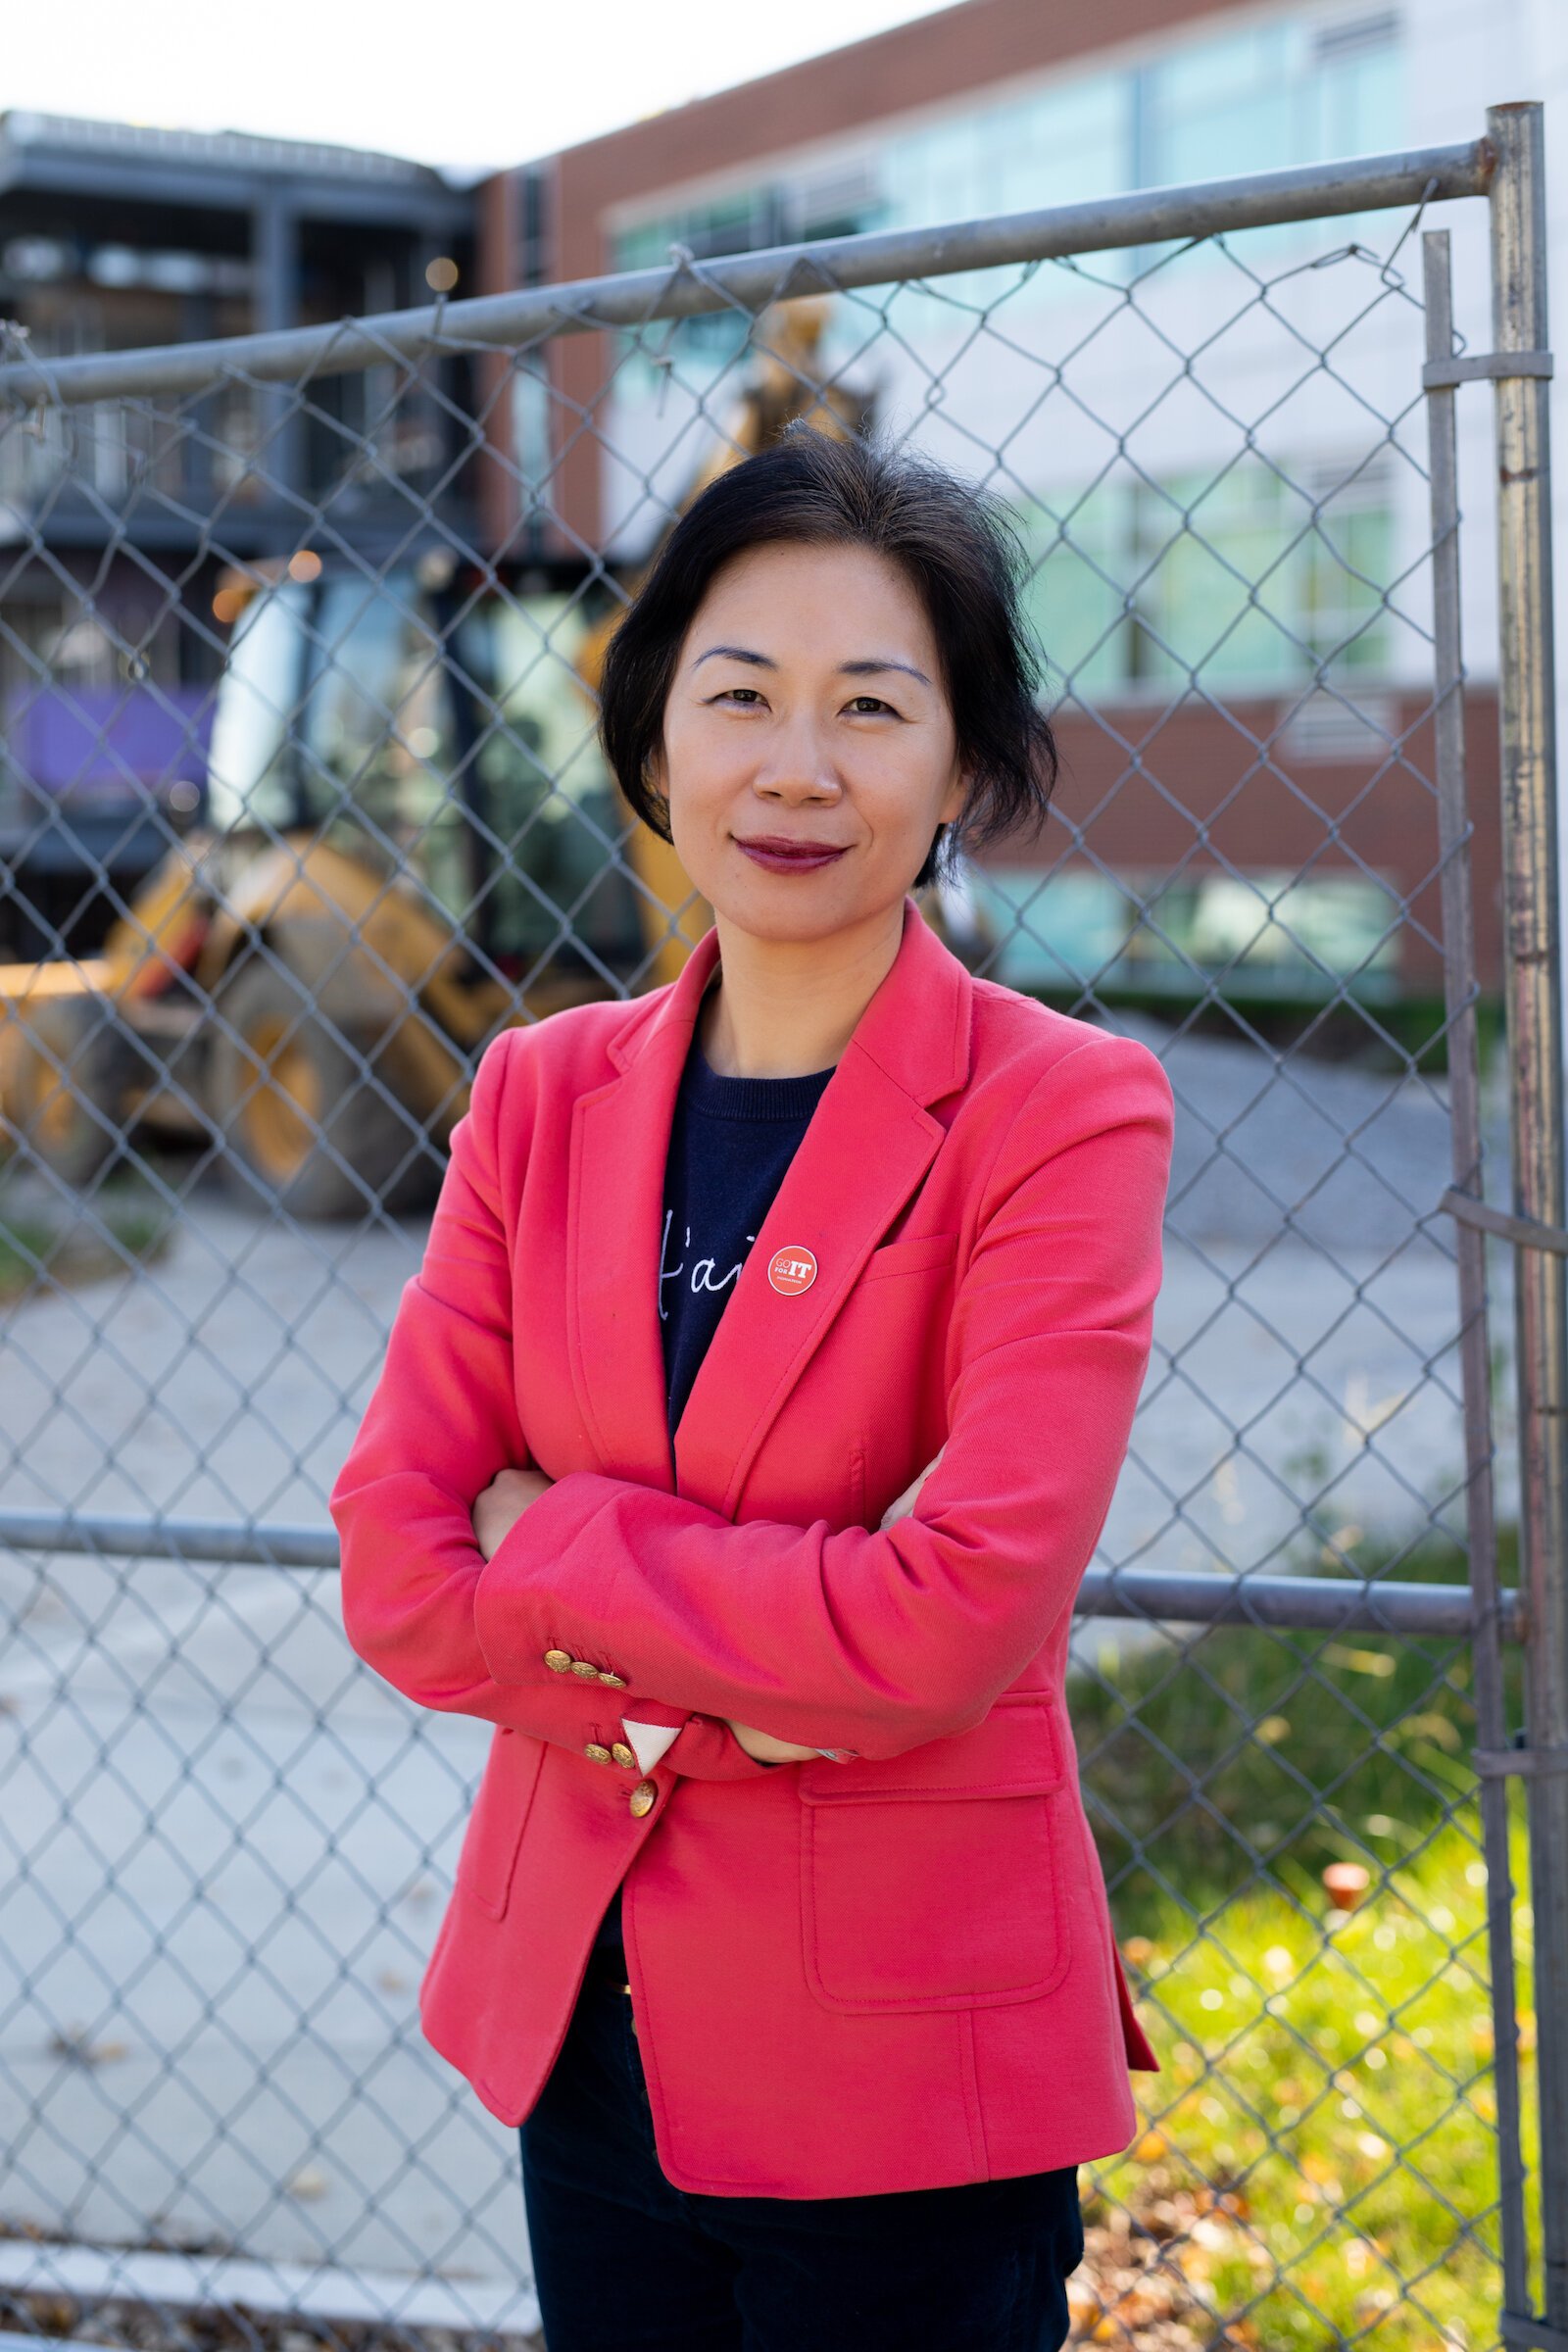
799,771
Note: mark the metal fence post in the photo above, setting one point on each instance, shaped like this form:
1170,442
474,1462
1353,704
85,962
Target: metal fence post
1528,718
1454,829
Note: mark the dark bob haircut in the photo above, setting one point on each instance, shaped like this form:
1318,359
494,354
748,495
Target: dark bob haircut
960,553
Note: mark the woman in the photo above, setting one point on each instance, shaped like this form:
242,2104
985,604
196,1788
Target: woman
777,1928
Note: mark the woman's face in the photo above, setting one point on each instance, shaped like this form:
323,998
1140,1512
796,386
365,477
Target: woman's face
809,751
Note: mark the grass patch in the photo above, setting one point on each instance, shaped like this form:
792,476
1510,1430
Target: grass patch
1318,2157
1240,1749
41,1247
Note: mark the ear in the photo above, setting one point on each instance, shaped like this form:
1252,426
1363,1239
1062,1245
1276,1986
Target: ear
956,797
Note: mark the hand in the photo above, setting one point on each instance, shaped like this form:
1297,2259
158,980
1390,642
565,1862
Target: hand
764,1748
496,1510
762,1745
496,1513
905,1502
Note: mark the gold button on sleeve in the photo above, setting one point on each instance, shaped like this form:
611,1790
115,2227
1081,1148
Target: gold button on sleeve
590,1674
557,1660
624,1756
617,1681
594,1754
644,1798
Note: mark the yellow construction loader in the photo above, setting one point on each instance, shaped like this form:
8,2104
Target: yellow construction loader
410,840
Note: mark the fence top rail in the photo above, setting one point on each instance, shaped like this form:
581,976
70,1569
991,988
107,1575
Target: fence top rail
1306,1604
686,289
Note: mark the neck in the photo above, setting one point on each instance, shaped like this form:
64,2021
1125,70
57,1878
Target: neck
782,1008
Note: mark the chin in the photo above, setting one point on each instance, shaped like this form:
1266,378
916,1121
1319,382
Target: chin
787,911
782,925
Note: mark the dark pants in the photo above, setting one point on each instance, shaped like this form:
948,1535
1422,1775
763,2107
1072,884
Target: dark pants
626,2263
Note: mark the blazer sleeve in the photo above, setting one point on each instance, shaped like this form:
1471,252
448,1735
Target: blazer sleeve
441,1421
879,1641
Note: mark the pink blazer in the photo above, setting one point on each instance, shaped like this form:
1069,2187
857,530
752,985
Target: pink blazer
895,1970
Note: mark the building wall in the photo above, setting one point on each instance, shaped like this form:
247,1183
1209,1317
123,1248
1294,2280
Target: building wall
814,125
972,48
1136,791
1148,103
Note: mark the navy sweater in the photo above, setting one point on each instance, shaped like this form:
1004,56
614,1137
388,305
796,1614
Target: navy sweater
730,1142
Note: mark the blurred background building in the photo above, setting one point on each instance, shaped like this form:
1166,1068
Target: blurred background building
115,235
1234,646
998,105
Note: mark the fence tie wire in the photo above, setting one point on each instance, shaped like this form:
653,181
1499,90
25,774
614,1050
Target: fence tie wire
1525,1232
1486,366
1523,2334
1532,1763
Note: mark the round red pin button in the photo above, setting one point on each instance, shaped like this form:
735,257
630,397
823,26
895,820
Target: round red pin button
792,1270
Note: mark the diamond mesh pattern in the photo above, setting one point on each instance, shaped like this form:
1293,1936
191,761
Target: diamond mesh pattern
301,800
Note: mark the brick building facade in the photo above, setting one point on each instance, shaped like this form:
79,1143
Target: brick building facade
1211,787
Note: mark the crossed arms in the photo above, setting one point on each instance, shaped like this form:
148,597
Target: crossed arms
871,1639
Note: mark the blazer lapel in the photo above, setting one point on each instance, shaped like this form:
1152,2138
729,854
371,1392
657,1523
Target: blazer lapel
869,1142
615,1229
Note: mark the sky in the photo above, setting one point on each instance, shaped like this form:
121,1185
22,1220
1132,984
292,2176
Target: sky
469,87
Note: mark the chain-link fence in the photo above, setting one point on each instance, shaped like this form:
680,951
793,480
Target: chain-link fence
301,802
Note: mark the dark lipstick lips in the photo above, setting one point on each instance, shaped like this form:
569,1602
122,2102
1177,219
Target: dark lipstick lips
780,855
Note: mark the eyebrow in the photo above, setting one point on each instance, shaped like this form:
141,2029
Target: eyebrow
847,669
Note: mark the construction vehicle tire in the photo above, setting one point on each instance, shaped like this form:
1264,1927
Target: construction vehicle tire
309,1119
65,1076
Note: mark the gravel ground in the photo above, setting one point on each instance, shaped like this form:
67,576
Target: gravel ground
1132,2289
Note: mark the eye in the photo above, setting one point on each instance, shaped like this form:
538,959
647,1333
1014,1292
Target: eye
867,705
749,697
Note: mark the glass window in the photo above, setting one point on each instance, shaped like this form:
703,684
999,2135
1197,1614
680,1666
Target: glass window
1357,89
701,348
530,423
1253,578
933,173
523,652
1063,145
1054,146
248,777
1270,934
1346,567
1269,97
1055,932
1212,109
378,740
1247,580
1211,595
553,818
1082,556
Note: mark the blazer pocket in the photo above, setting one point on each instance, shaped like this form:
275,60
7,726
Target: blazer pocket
933,1879
911,1256
489,1851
